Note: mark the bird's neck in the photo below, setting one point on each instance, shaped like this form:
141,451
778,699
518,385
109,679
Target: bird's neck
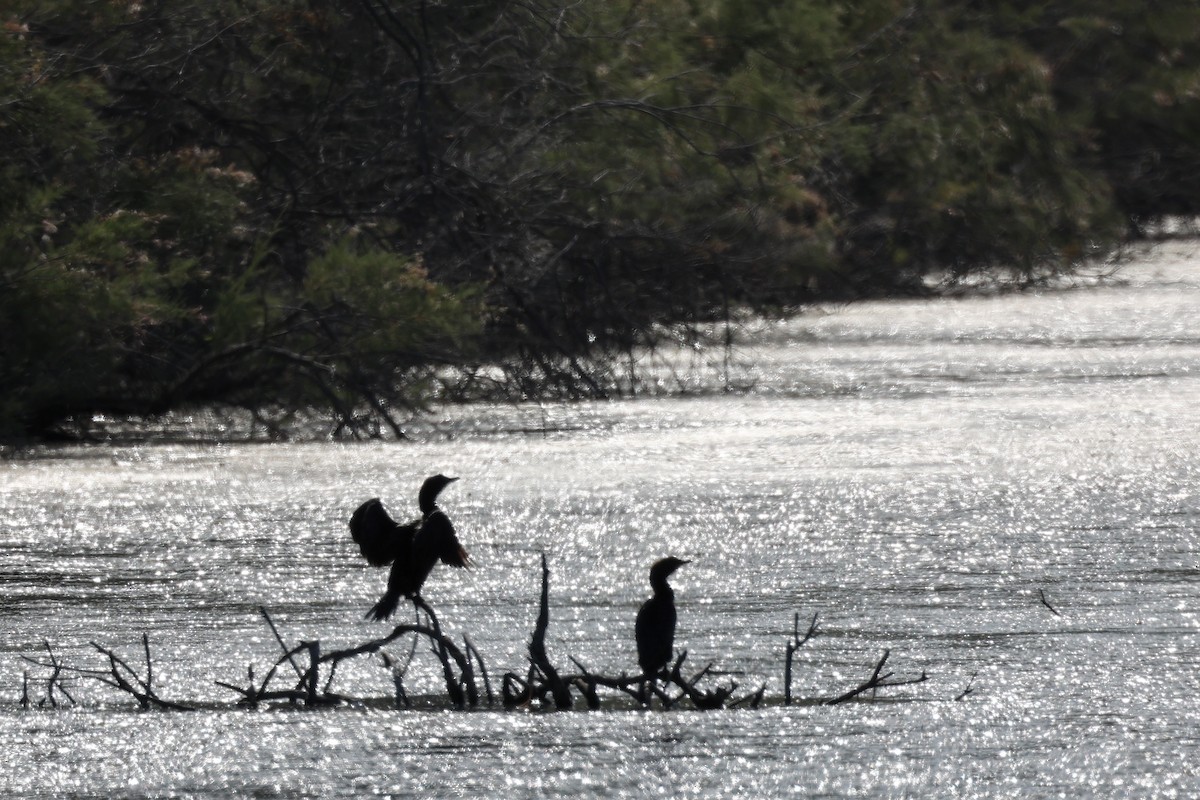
429,508
661,588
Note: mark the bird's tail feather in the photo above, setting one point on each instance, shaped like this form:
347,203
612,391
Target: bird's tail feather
384,608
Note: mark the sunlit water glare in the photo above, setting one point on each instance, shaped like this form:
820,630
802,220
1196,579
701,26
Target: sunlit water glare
919,473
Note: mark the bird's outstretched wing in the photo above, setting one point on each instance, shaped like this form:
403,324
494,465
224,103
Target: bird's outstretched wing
379,537
438,538
397,581
451,551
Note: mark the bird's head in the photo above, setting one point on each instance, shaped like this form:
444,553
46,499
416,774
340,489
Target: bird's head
664,568
430,490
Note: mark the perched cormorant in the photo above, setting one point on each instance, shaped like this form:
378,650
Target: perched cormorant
412,548
655,629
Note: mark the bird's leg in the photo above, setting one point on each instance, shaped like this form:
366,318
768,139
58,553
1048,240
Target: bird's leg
648,689
412,651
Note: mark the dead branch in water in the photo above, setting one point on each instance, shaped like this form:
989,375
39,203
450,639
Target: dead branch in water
878,680
543,686
456,668
537,646
795,644
472,652
141,689
119,675
970,687
271,624
54,681
1046,603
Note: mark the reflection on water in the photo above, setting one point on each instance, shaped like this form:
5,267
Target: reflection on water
917,472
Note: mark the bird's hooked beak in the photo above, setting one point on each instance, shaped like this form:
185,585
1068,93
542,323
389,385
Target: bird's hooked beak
430,489
665,568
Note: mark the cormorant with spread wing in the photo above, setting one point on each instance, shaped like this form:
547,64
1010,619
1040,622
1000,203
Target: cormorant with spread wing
412,548
655,627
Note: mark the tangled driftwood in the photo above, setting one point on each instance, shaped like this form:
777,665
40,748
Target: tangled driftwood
543,685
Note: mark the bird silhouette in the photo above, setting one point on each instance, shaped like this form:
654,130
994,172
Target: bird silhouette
655,627
412,548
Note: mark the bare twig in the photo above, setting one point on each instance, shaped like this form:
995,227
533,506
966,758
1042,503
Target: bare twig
397,679
1046,603
472,651
454,685
314,666
149,663
795,644
704,700
278,638
878,680
139,688
515,691
970,687
53,680
311,692
537,646
586,684
754,700
630,685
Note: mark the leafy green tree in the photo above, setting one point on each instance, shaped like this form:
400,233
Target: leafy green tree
356,205
86,278
1128,74
154,265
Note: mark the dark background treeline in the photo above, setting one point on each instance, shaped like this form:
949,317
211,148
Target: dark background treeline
356,205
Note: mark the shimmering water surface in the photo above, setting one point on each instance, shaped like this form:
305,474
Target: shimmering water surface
917,472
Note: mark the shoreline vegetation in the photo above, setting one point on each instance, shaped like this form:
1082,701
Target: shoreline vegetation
350,211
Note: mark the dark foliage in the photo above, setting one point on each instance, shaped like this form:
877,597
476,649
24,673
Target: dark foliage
355,206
